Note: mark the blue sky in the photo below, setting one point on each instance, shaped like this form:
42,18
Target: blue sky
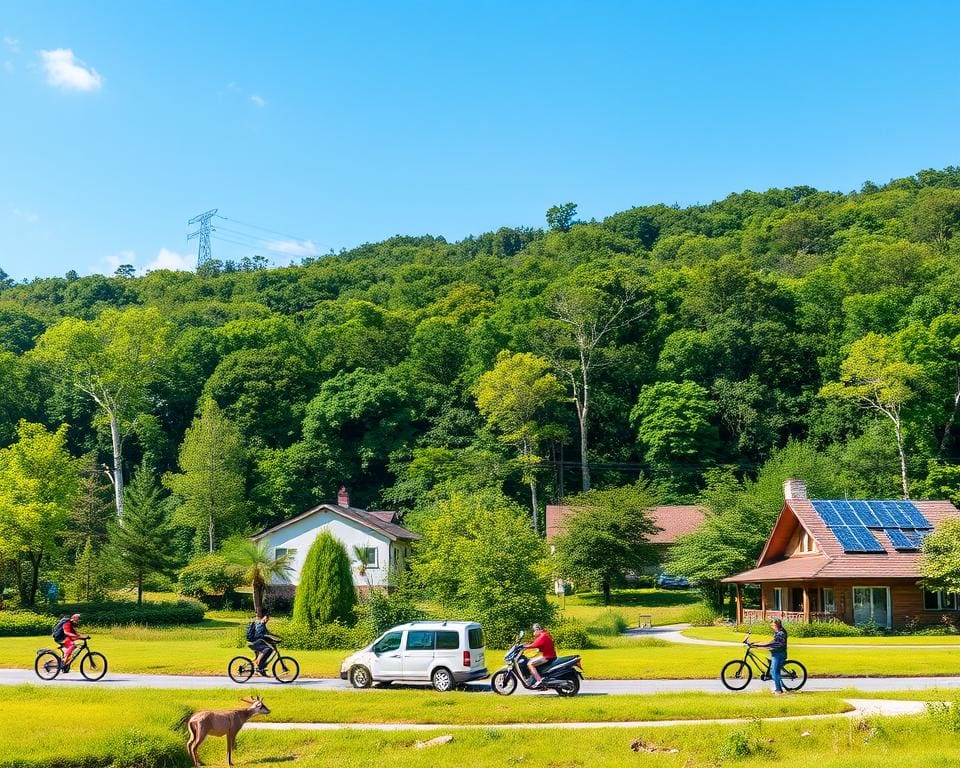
337,124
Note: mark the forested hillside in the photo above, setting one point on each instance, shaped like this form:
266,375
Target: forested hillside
711,335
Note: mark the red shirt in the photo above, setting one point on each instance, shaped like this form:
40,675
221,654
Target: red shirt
70,631
543,642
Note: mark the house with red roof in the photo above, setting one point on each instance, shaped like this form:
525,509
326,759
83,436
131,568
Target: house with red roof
855,561
671,522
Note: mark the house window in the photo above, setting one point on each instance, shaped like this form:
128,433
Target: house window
939,601
370,557
778,602
281,551
806,543
828,600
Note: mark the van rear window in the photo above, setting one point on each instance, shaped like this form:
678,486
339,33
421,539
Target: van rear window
448,641
476,637
419,641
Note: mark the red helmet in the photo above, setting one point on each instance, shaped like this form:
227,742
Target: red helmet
75,617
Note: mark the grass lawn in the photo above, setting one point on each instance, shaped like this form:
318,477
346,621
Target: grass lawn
665,606
729,635
124,728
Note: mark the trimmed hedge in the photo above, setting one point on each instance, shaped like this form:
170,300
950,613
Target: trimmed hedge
24,624
813,629
114,613
571,633
322,637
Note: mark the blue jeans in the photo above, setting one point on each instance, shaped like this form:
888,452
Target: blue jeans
776,665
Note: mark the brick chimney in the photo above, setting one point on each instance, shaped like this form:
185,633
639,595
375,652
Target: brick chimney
794,489
343,498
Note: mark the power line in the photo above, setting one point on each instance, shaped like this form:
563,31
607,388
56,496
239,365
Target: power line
265,229
204,252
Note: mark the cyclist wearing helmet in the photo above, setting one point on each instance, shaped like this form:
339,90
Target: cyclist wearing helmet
70,637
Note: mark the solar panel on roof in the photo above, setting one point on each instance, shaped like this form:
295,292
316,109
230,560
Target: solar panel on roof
827,513
866,539
847,540
865,514
900,539
913,515
883,514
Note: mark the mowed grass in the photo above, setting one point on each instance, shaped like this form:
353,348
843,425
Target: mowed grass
733,636
665,607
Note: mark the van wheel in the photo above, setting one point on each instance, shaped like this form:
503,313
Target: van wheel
442,680
360,677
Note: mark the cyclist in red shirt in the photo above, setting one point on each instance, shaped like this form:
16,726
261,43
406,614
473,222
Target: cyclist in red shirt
543,642
70,636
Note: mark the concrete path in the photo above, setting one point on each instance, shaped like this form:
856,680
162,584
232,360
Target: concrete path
589,687
861,708
673,633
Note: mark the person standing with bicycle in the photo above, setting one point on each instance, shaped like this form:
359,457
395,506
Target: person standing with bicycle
778,653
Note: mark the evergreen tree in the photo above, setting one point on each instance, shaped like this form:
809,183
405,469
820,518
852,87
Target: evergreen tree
143,543
325,593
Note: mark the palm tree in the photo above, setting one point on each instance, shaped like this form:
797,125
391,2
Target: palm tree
253,561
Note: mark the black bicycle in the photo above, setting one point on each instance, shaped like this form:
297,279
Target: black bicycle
285,668
49,662
737,674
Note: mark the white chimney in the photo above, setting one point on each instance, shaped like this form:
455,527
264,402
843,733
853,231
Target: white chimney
794,489
343,498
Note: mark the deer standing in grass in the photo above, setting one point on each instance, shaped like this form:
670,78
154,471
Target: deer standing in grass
223,722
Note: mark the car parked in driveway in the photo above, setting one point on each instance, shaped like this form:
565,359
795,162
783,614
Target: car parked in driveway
672,582
443,653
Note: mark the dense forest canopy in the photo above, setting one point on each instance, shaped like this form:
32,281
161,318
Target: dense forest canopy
687,341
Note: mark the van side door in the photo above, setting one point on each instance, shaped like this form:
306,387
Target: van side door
388,658
418,654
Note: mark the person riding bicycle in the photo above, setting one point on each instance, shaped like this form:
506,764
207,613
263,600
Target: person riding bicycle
262,640
542,642
778,653
70,636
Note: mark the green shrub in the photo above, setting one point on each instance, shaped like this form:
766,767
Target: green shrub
571,633
325,593
608,624
799,629
379,610
700,615
946,715
24,624
119,613
206,575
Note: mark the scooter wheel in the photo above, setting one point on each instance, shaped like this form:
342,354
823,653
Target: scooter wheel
570,686
503,683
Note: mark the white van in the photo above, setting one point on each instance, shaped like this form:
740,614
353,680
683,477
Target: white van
444,653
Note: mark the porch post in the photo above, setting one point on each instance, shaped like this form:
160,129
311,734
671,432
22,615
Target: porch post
806,604
763,603
739,603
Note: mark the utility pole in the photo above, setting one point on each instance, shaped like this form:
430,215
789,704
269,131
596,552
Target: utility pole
204,252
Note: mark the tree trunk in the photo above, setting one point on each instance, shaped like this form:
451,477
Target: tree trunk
257,599
117,464
21,584
953,415
533,503
903,458
210,532
606,590
139,589
582,413
34,575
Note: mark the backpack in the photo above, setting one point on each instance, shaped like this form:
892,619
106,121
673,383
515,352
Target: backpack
252,631
58,634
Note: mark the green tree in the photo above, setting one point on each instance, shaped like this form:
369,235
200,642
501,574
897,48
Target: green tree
480,560
673,424
210,488
606,535
114,360
325,593
586,311
935,216
560,217
514,397
256,566
206,575
39,484
940,557
144,543
876,376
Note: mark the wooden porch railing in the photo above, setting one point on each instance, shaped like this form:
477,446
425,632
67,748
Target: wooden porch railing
751,615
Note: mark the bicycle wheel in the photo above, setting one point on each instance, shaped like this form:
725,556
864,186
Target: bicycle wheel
286,669
47,665
736,675
93,665
240,669
793,675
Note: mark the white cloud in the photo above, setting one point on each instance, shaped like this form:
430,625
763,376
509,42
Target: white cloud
232,87
294,247
108,264
258,101
28,216
12,44
167,259
66,71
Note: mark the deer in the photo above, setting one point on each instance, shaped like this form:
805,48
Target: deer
223,722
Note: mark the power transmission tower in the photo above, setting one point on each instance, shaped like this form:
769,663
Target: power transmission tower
204,252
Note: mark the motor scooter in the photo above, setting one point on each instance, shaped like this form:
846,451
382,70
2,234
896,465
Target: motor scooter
562,675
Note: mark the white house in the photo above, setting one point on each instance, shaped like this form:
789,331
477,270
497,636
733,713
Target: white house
385,545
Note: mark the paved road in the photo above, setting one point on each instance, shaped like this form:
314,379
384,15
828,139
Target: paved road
673,633
590,687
